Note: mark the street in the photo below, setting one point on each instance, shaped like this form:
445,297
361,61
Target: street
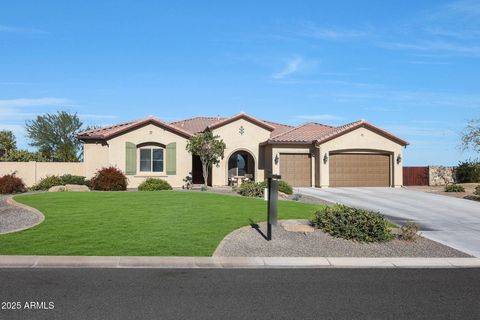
240,294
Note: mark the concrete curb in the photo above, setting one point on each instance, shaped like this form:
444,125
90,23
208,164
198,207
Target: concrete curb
10,201
231,262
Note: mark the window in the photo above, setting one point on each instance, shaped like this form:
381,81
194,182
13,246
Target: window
151,160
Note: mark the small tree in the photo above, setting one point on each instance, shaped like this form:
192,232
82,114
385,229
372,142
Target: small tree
471,136
208,148
55,135
7,142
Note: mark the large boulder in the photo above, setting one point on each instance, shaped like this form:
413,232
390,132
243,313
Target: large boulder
76,188
57,189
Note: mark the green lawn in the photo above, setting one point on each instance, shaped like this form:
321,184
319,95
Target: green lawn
167,223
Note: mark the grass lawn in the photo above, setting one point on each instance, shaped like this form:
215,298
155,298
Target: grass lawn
167,223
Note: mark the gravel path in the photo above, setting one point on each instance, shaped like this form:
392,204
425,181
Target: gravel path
16,218
248,242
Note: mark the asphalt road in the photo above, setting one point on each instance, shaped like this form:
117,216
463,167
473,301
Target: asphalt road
242,294
451,221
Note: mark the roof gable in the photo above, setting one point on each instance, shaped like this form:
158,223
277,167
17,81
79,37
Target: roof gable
339,131
243,116
110,132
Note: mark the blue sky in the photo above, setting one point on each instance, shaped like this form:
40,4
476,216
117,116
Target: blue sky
411,67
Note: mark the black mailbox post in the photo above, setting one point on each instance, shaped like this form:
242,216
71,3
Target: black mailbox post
272,203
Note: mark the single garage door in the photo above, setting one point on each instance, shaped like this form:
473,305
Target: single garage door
359,170
296,169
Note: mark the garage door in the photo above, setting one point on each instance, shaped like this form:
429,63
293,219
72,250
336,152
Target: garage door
359,170
296,169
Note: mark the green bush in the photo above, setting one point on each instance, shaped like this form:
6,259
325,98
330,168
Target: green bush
454,188
153,184
71,179
51,181
468,172
353,224
251,189
48,182
9,183
477,190
409,231
109,179
283,186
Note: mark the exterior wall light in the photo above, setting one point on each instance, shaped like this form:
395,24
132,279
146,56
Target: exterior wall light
325,158
399,159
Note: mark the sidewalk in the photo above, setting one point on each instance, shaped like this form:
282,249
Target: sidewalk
231,262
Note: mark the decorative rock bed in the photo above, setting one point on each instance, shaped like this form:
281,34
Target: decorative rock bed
250,242
16,217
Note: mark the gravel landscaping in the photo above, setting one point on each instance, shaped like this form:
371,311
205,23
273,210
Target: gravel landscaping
16,218
249,242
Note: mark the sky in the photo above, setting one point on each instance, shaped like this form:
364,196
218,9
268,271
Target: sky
410,67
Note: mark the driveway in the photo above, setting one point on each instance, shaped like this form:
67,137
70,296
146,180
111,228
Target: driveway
451,221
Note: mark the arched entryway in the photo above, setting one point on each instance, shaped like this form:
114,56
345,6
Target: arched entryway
241,165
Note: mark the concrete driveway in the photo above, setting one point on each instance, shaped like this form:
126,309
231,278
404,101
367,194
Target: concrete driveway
451,221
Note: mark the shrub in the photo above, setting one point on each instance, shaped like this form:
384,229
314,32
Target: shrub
9,183
251,189
71,179
283,186
48,182
353,224
409,231
468,172
152,184
477,190
454,188
109,179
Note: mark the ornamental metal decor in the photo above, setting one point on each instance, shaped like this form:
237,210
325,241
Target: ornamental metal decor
241,130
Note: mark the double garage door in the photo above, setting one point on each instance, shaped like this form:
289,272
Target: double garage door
359,170
346,170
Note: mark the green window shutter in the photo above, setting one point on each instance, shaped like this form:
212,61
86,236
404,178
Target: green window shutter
171,158
130,158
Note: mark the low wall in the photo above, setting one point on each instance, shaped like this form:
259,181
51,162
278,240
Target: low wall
31,172
441,175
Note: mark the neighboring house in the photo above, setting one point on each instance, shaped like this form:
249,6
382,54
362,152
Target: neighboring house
309,155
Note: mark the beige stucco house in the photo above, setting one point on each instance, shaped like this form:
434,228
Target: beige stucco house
309,155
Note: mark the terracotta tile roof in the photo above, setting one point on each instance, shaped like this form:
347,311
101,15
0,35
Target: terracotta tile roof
199,124
306,133
279,128
241,115
196,124
312,132
115,130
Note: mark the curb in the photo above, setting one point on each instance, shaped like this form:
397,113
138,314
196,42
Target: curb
231,262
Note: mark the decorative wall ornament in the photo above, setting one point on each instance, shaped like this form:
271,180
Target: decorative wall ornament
241,130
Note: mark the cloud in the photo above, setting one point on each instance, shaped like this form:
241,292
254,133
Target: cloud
434,46
319,117
311,30
414,131
292,66
13,29
26,102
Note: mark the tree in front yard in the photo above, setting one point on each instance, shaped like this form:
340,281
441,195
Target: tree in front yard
55,135
208,148
471,136
7,142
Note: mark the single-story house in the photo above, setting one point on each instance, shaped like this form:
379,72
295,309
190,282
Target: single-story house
308,155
